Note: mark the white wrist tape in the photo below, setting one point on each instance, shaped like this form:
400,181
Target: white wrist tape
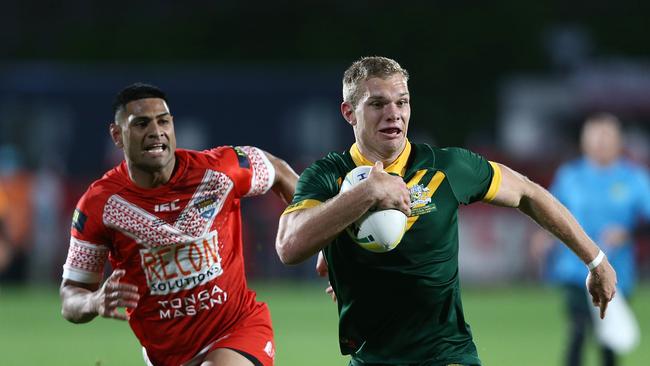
596,261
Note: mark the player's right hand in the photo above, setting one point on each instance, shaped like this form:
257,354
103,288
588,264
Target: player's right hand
114,295
389,191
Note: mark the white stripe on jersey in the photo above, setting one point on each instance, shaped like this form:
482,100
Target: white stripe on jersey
140,225
193,223
197,218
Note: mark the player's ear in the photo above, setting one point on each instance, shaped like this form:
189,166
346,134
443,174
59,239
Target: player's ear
347,110
116,134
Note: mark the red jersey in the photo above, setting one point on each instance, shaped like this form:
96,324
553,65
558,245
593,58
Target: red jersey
180,243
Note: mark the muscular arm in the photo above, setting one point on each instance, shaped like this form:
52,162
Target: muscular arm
284,184
81,302
536,202
78,304
303,233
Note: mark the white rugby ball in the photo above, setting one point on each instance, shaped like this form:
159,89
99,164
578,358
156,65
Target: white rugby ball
377,231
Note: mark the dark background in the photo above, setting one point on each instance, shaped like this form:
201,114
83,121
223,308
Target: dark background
268,74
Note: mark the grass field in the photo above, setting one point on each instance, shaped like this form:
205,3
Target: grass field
512,326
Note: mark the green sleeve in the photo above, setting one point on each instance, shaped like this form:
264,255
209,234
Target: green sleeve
469,174
318,182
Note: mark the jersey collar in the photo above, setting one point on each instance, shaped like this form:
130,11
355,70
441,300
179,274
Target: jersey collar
398,166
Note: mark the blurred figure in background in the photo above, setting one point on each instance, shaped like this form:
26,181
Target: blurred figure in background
5,249
16,215
608,194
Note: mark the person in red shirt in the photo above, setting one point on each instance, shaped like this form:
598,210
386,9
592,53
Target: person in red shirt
169,222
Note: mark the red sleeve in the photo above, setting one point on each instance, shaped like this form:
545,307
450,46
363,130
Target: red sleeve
89,243
248,167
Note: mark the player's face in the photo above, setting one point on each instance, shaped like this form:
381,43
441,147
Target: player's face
381,117
147,135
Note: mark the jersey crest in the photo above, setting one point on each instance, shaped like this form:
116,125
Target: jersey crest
419,195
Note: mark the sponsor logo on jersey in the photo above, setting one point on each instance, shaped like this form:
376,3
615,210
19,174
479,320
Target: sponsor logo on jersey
178,267
242,157
168,206
190,305
269,350
79,220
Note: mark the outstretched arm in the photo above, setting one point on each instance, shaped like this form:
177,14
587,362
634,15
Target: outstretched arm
284,184
81,302
530,198
303,233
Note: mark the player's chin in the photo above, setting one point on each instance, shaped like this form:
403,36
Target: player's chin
393,141
153,164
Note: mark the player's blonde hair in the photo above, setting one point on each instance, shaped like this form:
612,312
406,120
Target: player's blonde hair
364,69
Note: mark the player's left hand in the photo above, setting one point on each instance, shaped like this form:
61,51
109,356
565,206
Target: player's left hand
114,294
321,269
601,283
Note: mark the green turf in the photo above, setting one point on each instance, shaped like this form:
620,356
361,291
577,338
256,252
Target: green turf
512,326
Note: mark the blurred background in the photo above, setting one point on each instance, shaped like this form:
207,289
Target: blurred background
512,81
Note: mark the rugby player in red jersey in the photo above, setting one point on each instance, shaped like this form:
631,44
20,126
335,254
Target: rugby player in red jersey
169,222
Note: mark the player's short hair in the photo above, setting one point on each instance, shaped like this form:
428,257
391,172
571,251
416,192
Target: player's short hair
364,69
136,91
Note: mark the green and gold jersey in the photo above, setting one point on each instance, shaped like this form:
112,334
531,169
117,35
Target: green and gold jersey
404,306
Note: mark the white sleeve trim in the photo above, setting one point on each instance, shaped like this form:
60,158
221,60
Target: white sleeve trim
76,275
263,171
85,262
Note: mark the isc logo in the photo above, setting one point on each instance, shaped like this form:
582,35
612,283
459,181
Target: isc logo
167,207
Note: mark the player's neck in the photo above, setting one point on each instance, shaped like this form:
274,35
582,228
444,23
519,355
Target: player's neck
386,157
151,179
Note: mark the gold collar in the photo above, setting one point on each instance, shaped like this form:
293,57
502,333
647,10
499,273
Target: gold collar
398,166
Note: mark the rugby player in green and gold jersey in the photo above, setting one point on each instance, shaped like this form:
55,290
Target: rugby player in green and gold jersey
404,307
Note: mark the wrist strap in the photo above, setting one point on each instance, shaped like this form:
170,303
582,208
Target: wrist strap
596,261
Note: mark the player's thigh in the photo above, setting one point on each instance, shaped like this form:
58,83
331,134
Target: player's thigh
226,357
251,339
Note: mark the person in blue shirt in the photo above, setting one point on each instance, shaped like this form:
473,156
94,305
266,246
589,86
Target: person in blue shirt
608,195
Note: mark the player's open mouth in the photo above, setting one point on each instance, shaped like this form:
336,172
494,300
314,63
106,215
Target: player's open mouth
391,131
155,148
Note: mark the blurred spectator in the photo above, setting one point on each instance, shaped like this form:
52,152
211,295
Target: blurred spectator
49,217
5,249
608,194
15,215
